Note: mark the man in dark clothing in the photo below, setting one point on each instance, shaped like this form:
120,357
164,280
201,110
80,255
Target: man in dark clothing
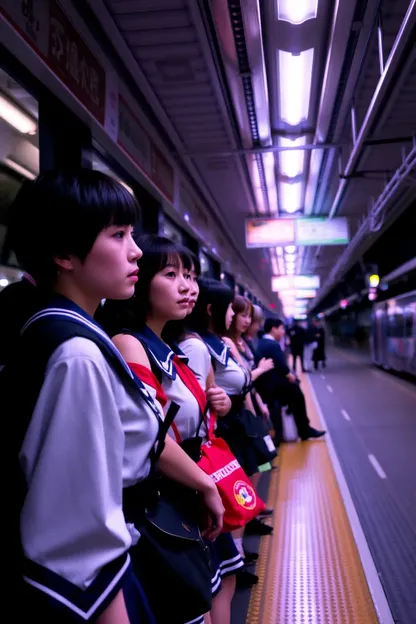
297,336
319,354
279,386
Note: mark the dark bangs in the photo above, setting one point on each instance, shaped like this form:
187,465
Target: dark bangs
160,252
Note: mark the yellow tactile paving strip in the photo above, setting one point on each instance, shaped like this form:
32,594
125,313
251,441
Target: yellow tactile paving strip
309,569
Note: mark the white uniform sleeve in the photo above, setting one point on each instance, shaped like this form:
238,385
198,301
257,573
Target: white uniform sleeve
73,531
199,358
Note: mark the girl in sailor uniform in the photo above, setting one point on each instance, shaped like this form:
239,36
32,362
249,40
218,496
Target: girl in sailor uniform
211,319
227,560
87,426
165,285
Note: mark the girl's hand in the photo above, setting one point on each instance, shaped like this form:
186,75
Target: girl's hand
218,400
265,364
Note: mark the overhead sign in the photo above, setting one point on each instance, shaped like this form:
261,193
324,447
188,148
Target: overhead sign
321,231
298,293
302,232
305,294
288,282
269,232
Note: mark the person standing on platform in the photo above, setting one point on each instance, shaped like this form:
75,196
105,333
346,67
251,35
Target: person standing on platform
279,386
297,336
310,344
319,354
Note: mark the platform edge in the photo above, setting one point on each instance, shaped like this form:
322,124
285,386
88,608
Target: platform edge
375,587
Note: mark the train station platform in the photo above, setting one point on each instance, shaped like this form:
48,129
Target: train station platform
343,548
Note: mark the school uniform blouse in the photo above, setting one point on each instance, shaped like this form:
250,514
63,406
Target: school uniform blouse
178,385
89,437
229,375
199,359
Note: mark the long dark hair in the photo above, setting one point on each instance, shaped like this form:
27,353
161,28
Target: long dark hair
158,252
219,296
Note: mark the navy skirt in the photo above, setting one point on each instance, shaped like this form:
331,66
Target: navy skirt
225,560
38,605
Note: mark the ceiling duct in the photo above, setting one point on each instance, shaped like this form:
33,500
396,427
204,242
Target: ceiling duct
244,59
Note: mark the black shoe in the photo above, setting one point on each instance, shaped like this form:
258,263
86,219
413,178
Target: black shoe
250,558
245,579
313,433
256,527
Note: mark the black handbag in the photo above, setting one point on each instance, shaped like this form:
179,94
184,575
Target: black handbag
171,559
263,446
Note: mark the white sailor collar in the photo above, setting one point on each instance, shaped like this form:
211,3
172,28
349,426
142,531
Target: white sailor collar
161,354
217,348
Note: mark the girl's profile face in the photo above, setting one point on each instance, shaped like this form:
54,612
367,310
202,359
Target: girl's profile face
242,321
110,269
169,292
193,291
229,315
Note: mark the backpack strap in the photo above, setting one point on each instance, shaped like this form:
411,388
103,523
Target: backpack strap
50,328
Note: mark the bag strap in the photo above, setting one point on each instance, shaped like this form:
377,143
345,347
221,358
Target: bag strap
209,427
51,327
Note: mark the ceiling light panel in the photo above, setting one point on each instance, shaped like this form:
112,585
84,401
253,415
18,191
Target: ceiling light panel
291,196
16,117
295,79
292,161
296,11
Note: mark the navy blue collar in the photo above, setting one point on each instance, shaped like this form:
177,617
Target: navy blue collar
217,348
60,307
161,354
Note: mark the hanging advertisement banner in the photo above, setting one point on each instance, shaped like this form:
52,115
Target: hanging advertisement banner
269,232
289,282
321,231
301,232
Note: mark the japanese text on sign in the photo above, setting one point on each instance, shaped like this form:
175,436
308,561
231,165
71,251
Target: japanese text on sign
73,61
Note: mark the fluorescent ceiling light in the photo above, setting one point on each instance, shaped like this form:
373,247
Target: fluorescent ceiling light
16,117
291,196
290,249
295,77
297,11
19,169
4,282
292,161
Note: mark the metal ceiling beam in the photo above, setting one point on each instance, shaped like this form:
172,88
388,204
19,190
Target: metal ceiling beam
264,150
389,74
367,233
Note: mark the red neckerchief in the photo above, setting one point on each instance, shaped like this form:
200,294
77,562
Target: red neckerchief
191,382
146,376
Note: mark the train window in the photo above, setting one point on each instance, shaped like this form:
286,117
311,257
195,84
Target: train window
395,327
205,264
171,231
19,150
408,324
